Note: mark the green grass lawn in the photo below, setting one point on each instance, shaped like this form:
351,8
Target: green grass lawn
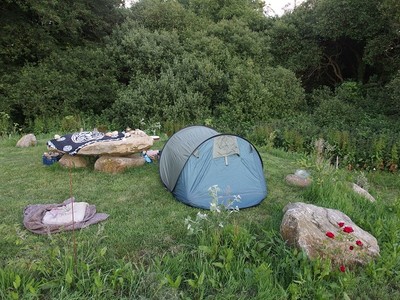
144,216
146,229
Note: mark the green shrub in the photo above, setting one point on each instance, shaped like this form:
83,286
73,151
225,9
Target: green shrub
256,96
393,88
335,113
71,123
318,95
4,123
76,80
263,135
350,92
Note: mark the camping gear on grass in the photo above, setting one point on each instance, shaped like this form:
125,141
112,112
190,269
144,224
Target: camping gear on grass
198,157
49,158
52,218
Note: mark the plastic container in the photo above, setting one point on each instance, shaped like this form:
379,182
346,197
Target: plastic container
48,160
302,174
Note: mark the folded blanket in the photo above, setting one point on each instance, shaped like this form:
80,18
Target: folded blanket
63,215
58,215
72,143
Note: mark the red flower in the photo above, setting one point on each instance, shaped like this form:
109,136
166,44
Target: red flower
359,243
342,268
341,224
348,229
351,247
330,235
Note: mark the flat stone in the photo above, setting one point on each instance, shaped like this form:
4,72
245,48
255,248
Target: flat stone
128,145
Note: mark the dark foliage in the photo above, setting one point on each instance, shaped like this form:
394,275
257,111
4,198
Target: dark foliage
330,64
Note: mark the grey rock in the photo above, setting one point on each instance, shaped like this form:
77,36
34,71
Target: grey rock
295,180
359,190
305,226
28,140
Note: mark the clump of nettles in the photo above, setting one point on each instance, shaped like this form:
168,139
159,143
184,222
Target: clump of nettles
218,216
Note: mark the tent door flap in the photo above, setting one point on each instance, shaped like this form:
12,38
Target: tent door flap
225,145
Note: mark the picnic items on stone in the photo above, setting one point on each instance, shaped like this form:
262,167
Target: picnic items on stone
113,152
73,142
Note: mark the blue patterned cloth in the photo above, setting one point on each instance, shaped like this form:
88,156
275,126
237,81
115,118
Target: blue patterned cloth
72,143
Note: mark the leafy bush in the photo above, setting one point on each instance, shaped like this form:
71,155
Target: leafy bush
141,52
393,88
335,113
349,92
78,80
254,97
182,93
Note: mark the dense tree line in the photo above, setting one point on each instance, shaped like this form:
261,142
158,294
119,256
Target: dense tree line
330,63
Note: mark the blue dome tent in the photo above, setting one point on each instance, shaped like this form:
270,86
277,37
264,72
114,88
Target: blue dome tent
198,157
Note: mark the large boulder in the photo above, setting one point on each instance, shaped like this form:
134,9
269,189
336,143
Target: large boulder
28,140
69,161
132,144
327,233
113,164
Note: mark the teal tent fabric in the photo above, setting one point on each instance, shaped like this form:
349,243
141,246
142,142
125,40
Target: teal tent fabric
197,158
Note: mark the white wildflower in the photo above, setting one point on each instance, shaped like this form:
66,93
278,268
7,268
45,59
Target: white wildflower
188,220
213,191
214,188
201,216
214,207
